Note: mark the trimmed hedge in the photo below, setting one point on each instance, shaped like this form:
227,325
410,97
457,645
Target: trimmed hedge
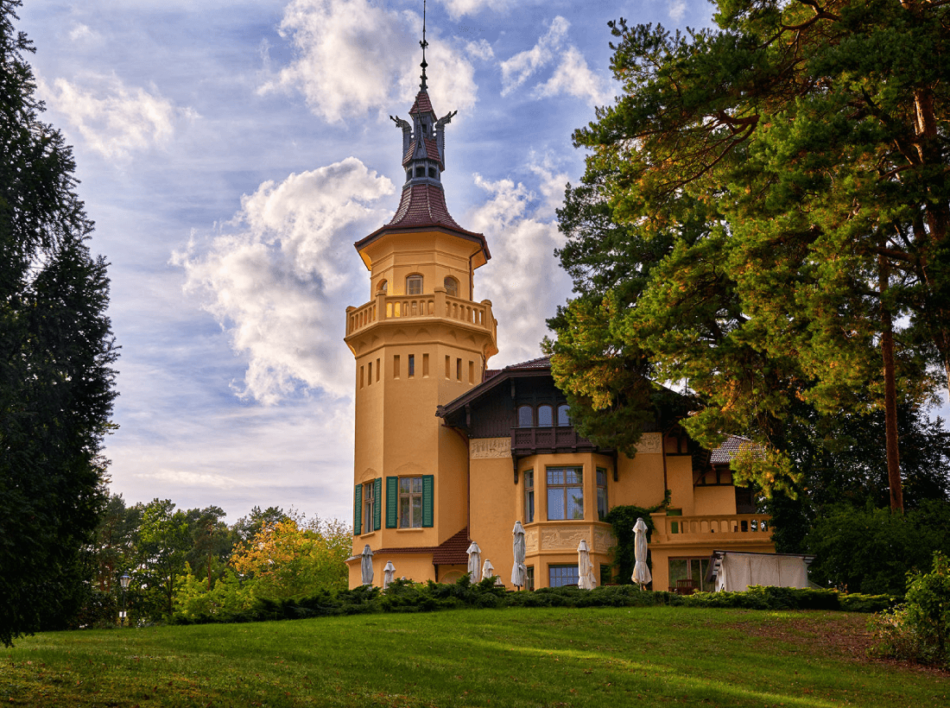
406,596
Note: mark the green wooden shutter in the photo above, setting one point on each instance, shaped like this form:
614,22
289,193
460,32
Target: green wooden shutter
378,507
428,499
392,501
357,510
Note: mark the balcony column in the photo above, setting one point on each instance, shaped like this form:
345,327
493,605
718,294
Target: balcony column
380,305
440,303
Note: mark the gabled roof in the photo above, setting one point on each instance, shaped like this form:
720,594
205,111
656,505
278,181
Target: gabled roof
492,378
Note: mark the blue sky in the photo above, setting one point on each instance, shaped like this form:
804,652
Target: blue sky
231,152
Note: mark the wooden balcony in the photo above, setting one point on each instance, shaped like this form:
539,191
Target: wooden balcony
724,531
546,440
439,305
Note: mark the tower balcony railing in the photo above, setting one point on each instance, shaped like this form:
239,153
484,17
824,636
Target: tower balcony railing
720,528
436,305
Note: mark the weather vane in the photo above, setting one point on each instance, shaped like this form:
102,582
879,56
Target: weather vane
424,44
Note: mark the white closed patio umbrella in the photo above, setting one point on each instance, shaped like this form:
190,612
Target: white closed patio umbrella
366,565
488,570
585,569
519,572
474,562
641,571
389,574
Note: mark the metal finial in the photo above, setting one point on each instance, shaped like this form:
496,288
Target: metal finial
423,44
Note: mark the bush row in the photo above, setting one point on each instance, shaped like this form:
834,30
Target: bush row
406,596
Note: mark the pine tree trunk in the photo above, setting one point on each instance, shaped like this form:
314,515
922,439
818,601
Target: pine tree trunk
890,395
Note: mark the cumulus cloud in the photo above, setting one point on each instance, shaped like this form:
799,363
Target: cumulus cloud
480,50
523,279
84,33
571,75
677,9
113,119
460,8
185,478
522,66
355,55
279,284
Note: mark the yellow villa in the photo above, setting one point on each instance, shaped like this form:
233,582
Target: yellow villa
448,451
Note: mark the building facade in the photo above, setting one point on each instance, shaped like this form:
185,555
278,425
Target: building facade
448,452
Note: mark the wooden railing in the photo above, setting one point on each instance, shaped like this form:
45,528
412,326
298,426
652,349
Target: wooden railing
439,304
728,527
525,441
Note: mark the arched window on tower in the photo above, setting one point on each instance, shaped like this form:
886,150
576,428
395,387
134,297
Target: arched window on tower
563,416
525,417
545,416
451,286
382,287
414,285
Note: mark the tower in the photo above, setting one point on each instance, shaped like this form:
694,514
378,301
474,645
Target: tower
420,341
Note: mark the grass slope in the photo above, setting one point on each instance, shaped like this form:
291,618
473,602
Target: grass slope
512,657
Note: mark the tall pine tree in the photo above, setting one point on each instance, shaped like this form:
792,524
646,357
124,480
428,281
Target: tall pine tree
56,353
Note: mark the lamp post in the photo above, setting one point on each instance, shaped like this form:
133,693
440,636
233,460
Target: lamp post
124,581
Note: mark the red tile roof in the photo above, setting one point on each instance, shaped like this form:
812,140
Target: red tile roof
422,104
431,152
453,550
423,205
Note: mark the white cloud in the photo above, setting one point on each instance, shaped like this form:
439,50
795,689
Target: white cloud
522,66
677,9
83,33
185,478
113,119
354,55
523,279
460,8
573,77
480,49
280,286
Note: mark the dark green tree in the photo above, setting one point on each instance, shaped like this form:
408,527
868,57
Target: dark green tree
790,169
163,543
211,540
56,354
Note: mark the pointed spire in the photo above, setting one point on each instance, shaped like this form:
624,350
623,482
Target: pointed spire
423,44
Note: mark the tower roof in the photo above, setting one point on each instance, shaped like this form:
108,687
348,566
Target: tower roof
422,203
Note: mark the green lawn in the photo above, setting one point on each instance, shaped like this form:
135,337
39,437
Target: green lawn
511,657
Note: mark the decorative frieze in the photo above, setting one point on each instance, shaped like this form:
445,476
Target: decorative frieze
650,443
564,538
531,541
489,448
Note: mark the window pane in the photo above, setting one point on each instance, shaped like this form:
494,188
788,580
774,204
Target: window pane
525,417
555,475
563,417
556,504
404,484
545,417
694,571
529,478
561,575
679,570
529,507
574,475
416,511
404,512
575,503
601,477
451,286
601,503
414,284
416,484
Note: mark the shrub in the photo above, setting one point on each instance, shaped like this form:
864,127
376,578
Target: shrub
919,630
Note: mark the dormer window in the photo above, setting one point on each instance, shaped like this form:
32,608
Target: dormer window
432,172
414,285
420,171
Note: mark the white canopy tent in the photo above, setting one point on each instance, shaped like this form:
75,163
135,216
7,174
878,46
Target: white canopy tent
732,571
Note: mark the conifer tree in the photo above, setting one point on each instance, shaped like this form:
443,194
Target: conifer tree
790,170
56,352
